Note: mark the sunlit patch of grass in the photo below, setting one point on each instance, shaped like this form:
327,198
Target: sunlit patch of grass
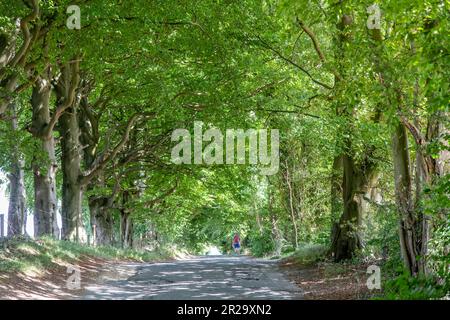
27,249
24,255
8,264
307,254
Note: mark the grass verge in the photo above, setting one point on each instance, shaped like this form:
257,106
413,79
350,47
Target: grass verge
22,255
306,254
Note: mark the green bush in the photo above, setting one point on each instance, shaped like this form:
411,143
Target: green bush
287,249
437,206
405,287
260,243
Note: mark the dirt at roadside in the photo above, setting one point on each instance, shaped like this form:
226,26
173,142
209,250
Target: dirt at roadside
52,283
329,281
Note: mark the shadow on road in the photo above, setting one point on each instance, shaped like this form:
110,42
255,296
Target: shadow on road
208,277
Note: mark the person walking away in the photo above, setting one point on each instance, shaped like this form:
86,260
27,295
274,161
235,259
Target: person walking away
237,243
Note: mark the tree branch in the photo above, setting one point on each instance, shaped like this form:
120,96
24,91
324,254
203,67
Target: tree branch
26,33
315,42
290,61
92,172
74,69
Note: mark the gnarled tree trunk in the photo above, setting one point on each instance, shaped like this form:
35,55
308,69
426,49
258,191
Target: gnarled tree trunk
101,220
415,225
358,182
99,206
45,206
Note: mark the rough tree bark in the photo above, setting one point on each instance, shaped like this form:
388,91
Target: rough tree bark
17,205
67,106
102,219
72,224
45,205
358,181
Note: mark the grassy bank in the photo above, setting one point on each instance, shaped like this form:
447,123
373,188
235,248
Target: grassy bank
22,255
306,254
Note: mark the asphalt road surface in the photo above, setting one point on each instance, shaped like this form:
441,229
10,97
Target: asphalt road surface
206,277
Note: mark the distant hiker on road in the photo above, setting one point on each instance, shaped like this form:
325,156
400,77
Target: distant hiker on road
237,243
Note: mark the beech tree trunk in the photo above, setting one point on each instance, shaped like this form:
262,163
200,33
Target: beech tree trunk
99,206
72,224
126,229
102,220
358,178
358,182
71,213
126,223
45,205
17,205
346,238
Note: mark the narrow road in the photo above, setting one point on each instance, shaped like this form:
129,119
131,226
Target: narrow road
206,277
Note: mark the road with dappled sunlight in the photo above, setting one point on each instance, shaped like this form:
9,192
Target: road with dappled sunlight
206,277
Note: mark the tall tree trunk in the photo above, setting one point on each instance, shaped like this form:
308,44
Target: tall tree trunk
403,191
345,238
17,205
358,178
72,222
45,205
